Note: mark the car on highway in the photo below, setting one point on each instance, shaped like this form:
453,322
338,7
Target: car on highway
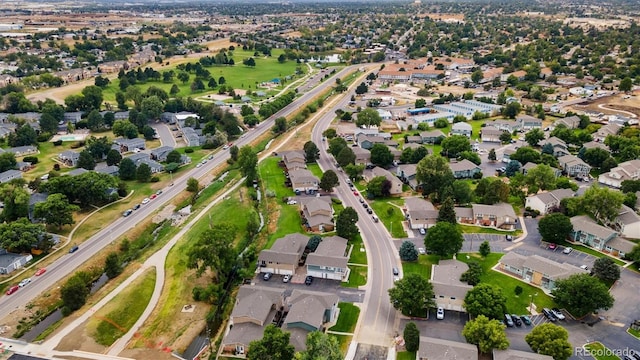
525,319
558,313
13,289
73,249
24,282
153,196
356,193
41,271
552,246
136,206
440,313
308,280
158,193
286,278
145,201
567,250
127,212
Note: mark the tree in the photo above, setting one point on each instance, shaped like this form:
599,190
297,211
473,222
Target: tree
248,162
477,75
127,169
534,136
444,239
125,128
379,186
56,210
7,161
354,171
473,274
346,157
526,154
74,292
234,151
511,110
487,300
453,145
471,156
505,137
434,174
512,168
280,125
113,157
602,203
595,156
251,62
550,339
313,242
95,121
368,117
582,294
329,180
420,103
381,155
330,133
542,177
555,227
21,235
92,97
48,123
411,336
274,345
321,346
193,185
336,145
311,152
461,191
606,270
625,84
408,251
175,89
151,107
24,135
346,223
362,88
86,160
112,265
487,334
212,252
447,212
174,157
143,173
485,249
412,295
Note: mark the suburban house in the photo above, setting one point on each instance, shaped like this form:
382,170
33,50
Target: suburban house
367,141
490,134
506,155
511,354
69,158
112,170
303,180
10,262
537,270
396,184
294,159
308,311
414,139
438,349
420,213
127,145
317,213
548,202
329,261
72,116
461,128
144,158
191,136
609,129
574,166
284,255
464,169
76,172
449,291
588,232
505,125
499,216
19,151
628,170
9,175
407,173
160,154
559,146
530,165
528,122
432,137
571,122
363,156
594,145
627,223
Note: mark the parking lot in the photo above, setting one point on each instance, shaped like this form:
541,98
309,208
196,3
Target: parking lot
321,285
575,257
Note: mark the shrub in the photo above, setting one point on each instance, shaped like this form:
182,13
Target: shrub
57,143
31,159
188,150
154,179
518,290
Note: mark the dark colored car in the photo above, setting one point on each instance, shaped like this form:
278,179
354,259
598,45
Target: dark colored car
549,315
525,319
267,276
508,320
73,249
136,206
369,211
516,320
308,280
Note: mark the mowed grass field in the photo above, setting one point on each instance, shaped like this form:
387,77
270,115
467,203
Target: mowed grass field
238,76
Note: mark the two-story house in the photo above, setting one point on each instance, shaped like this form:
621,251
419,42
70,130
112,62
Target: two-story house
461,128
537,270
69,158
628,170
284,256
329,261
490,134
609,129
588,232
574,166
548,202
294,159
464,169
9,175
127,145
407,174
627,223
570,122
505,125
160,154
308,311
420,213
528,122
302,180
499,216
317,213
363,156
559,146
448,290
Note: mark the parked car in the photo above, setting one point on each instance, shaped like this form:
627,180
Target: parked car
423,231
286,278
158,192
558,313
153,196
369,211
308,280
567,250
13,289
73,249
516,320
136,206
356,193
508,320
267,276
509,237
440,313
421,251
525,319
41,271
552,246
549,315
145,201
395,271
364,205
375,218
127,212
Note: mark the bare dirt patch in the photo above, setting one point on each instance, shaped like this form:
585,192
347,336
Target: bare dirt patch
609,105
80,339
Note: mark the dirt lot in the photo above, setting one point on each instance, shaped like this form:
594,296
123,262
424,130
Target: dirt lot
610,105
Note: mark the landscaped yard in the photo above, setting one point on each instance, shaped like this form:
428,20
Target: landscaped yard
405,355
600,352
635,333
420,267
516,304
344,341
357,277
315,170
347,319
358,253
391,215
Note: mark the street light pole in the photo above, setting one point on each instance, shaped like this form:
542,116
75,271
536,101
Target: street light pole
531,302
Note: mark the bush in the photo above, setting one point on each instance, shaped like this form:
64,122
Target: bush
44,137
518,290
477,175
77,144
57,143
31,159
336,201
188,150
154,179
208,145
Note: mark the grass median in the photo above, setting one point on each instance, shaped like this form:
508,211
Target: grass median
347,319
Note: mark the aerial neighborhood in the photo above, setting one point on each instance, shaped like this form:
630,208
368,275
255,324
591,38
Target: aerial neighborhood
311,180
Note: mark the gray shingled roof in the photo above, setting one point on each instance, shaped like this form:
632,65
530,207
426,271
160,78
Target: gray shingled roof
256,302
309,307
331,252
286,250
586,224
511,354
438,349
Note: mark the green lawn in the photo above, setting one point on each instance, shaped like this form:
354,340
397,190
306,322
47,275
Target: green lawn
600,352
238,76
590,251
347,319
125,309
634,333
390,215
406,355
357,277
358,254
344,341
420,267
470,229
516,304
315,170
